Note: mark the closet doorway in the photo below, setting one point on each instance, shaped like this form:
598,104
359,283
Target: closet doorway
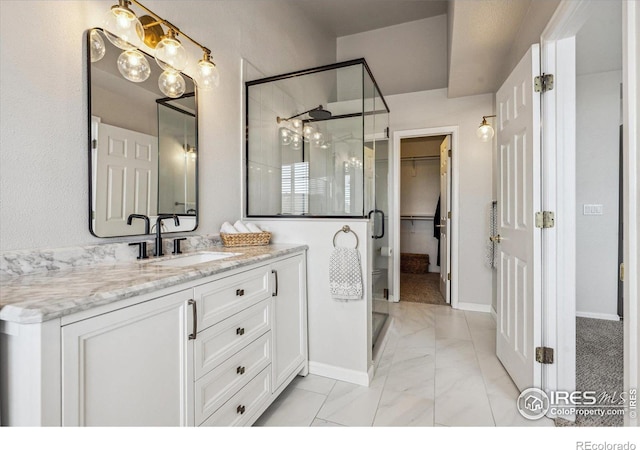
424,211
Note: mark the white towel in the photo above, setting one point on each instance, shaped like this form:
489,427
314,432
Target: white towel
253,228
228,228
241,227
345,274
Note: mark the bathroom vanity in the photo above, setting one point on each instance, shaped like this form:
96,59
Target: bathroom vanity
150,344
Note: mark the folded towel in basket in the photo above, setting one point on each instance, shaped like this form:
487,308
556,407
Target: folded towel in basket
241,227
345,274
228,228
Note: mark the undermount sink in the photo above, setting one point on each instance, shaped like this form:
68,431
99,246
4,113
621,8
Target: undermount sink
196,258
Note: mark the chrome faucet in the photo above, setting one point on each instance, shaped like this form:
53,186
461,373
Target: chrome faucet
161,217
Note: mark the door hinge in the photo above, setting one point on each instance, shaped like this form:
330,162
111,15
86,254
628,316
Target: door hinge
544,355
449,276
621,271
450,153
545,219
94,144
543,83
449,215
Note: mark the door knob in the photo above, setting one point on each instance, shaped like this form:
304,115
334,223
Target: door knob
495,239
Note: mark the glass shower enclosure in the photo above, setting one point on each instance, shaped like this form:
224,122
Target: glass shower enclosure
316,147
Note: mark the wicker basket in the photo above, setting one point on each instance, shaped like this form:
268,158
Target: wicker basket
414,263
245,239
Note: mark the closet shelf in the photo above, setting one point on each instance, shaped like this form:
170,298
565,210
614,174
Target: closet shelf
417,217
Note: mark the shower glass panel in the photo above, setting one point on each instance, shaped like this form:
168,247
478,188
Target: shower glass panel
311,142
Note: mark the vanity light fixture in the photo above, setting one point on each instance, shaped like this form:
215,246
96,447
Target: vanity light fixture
485,130
128,32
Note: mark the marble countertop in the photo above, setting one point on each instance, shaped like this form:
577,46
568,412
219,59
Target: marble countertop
40,297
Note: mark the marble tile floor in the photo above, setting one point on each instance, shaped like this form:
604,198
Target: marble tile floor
438,368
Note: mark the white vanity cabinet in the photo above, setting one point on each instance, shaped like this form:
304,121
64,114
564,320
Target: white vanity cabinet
216,351
129,367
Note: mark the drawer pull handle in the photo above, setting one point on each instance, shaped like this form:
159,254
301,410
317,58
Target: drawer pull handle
275,294
240,409
240,370
239,292
239,331
195,319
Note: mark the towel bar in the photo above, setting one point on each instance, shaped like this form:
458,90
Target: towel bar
346,229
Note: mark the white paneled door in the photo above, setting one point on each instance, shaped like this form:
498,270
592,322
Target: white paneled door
445,225
127,164
519,248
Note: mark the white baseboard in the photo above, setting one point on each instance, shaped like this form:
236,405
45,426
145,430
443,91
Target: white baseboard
474,307
339,373
494,314
603,316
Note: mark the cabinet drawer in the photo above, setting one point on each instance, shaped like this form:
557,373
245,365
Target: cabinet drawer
217,343
243,406
216,387
222,298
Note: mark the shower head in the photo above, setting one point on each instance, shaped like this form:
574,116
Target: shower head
320,113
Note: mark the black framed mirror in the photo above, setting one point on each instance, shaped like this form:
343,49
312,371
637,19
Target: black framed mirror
143,146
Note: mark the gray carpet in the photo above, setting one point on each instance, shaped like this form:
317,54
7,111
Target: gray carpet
421,288
599,365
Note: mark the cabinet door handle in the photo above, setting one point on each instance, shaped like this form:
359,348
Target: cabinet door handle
195,319
275,294
239,292
239,331
240,409
240,370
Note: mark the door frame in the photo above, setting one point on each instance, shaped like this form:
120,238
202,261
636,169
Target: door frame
395,208
559,191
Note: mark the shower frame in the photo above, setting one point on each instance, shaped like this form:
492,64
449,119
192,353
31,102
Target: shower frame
300,73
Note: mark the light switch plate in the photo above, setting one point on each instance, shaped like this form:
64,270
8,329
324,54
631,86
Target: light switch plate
592,210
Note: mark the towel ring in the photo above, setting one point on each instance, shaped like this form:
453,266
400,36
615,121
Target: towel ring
345,229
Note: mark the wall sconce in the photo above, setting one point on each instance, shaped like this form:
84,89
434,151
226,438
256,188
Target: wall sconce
485,130
128,32
189,151
306,130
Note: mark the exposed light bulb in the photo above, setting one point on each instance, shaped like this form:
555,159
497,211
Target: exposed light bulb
317,138
96,46
485,132
123,28
285,136
171,84
308,131
207,75
134,66
296,141
170,54
296,123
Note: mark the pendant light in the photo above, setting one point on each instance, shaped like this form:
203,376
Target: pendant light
171,84
96,46
485,130
122,27
133,65
207,76
170,54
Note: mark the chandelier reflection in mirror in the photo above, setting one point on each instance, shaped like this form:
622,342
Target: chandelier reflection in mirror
294,131
128,32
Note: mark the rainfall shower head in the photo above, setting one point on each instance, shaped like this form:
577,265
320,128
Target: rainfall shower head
320,113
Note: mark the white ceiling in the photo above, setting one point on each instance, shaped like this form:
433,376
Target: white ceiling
476,47
346,17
